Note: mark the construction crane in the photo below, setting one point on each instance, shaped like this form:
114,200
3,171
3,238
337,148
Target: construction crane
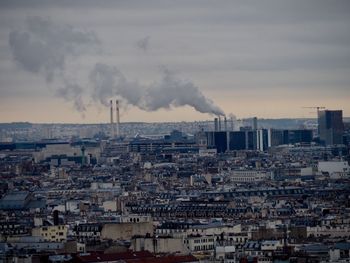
316,107
318,114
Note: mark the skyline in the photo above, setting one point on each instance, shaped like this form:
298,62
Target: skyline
266,59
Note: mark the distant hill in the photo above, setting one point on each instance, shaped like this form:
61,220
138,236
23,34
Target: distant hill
16,125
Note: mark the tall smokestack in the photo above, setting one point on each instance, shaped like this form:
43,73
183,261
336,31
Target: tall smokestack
112,124
216,124
117,117
219,123
225,123
255,123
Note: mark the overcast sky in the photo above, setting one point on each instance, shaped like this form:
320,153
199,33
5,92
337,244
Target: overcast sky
61,61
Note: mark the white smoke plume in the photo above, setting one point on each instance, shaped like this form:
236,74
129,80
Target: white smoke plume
232,117
42,47
73,92
169,91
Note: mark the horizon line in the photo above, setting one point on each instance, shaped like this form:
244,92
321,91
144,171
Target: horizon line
210,120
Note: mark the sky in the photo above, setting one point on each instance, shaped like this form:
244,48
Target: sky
179,60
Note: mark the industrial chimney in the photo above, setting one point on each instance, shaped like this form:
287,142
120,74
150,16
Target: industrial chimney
112,124
216,124
117,118
255,123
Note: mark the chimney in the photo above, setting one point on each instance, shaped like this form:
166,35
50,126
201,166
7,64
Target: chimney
216,124
219,123
232,124
225,123
255,123
112,124
117,117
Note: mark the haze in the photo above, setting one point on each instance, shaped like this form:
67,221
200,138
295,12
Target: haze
61,61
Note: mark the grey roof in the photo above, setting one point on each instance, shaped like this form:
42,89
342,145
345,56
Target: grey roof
15,196
315,248
343,246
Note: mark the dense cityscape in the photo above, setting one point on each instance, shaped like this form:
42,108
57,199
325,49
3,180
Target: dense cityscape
174,131
225,190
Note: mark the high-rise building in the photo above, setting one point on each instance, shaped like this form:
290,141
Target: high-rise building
330,126
237,140
297,136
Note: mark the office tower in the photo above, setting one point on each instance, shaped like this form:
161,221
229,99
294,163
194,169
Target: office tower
297,136
218,140
263,139
238,140
331,127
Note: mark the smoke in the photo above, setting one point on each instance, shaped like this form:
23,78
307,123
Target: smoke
232,117
73,92
43,47
169,91
143,43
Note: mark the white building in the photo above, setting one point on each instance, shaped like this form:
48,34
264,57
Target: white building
247,176
200,243
65,149
335,169
330,231
207,152
225,252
